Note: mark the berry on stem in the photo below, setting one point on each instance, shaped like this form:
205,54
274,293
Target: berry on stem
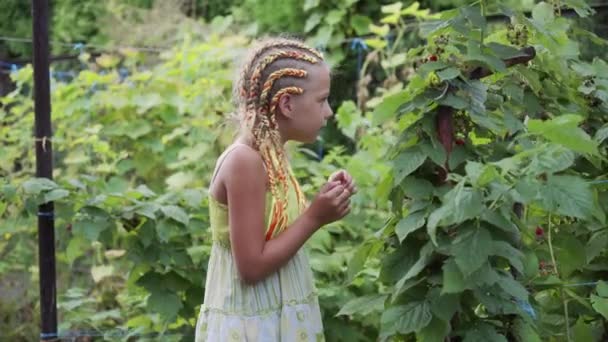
539,232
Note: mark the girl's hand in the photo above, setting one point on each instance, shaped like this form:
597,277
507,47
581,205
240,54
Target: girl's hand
331,204
345,179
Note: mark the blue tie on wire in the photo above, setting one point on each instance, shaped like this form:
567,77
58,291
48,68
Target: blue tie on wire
358,45
79,47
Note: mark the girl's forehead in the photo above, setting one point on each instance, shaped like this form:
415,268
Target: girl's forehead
320,73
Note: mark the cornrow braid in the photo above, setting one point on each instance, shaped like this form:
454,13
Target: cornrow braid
264,63
287,90
272,44
288,72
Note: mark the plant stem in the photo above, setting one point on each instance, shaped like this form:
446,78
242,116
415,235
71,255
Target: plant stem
551,247
550,241
482,4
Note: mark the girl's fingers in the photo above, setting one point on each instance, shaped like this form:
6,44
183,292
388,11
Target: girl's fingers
343,196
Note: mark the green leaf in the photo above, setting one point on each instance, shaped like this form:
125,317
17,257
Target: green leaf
310,4
454,101
530,264
176,213
417,188
334,16
524,332
407,318
542,14
552,159
362,253
569,253
436,331
312,22
602,288
453,280
167,229
600,305
348,118
167,304
76,248
460,204
601,134
360,24
474,53
473,14
505,250
445,306
363,305
396,263
596,245
483,333
37,185
407,162
564,130
55,194
499,220
425,256
473,250
568,195
582,331
90,227
410,223
448,74
512,287
101,271
388,107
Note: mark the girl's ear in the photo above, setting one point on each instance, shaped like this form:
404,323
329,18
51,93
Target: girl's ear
286,105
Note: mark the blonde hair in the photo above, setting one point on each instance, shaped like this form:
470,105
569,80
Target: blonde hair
273,68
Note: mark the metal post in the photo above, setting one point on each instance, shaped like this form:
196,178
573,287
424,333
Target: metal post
44,168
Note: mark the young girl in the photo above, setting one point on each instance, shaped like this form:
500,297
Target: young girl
259,283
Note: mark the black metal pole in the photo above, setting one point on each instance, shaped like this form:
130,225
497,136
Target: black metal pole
44,168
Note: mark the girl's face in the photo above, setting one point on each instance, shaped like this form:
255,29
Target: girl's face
304,115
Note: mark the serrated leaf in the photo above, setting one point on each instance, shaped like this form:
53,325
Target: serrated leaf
460,204
55,194
363,305
473,251
406,318
312,22
101,271
445,306
564,130
602,288
568,195
76,248
453,280
505,250
425,256
512,287
165,303
90,227
483,333
436,331
37,185
407,162
417,188
596,245
448,74
409,224
358,260
176,213
542,14
600,305
388,107
167,229
524,332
